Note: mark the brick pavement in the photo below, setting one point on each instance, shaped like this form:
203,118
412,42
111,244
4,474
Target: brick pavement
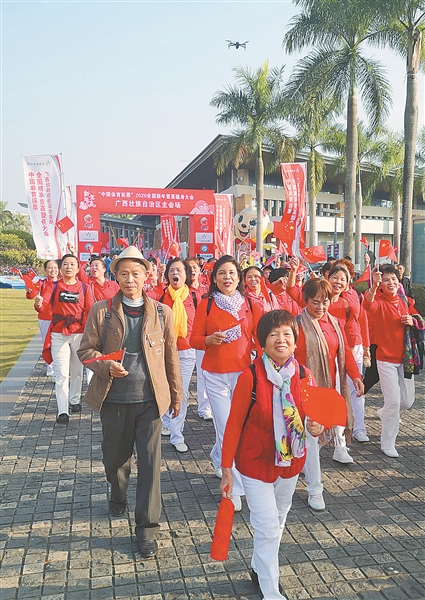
57,541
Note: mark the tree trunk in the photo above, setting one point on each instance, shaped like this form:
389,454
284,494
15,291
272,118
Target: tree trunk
259,190
410,135
351,149
358,235
396,229
312,234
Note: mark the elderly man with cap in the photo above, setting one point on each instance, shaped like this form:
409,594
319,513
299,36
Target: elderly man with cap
133,394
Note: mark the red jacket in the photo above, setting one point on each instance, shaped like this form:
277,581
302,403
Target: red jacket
109,289
67,317
253,446
228,357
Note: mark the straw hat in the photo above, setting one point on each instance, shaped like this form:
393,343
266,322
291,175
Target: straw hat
134,254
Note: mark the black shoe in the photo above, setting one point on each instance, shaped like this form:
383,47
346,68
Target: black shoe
74,408
148,548
254,579
62,419
117,510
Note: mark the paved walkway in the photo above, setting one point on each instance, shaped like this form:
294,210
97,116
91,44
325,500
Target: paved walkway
57,541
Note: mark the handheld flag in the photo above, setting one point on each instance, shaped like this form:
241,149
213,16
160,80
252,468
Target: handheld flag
123,242
28,279
64,224
314,254
365,242
227,321
324,405
118,356
386,250
222,529
365,276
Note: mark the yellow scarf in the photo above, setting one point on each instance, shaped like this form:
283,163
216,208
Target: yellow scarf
179,311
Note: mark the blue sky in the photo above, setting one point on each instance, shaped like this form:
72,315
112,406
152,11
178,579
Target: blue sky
122,89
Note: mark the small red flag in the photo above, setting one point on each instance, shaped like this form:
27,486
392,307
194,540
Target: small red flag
118,356
123,242
228,321
365,276
324,405
32,274
222,529
314,254
365,242
386,250
64,224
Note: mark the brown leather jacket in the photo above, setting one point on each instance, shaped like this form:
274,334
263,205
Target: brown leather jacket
160,351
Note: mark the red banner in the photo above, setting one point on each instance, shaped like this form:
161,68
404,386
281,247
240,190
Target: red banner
169,236
223,225
291,228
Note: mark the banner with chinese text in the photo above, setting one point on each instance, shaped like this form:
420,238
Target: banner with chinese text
223,225
43,185
169,236
291,229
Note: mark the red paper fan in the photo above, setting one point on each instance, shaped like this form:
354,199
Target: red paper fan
324,405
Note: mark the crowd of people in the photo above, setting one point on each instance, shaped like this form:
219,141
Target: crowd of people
253,335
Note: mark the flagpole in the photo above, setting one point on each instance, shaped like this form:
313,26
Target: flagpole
113,235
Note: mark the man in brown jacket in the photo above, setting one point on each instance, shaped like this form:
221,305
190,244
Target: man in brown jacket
131,395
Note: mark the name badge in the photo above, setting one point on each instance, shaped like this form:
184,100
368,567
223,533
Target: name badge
69,297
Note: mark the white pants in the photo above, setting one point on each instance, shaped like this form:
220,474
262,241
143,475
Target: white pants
357,402
269,505
68,369
399,395
312,470
44,327
220,388
187,364
204,407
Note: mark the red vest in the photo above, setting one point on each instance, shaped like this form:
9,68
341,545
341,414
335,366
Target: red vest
255,456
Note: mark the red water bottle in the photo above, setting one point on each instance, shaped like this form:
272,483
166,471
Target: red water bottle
223,529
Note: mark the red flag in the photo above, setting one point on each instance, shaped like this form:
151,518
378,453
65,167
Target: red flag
209,266
291,228
314,254
284,231
222,529
123,242
90,248
169,236
118,356
365,276
16,271
32,274
269,260
386,250
64,224
227,321
323,405
28,279
365,242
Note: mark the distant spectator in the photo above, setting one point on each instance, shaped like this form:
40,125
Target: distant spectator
405,281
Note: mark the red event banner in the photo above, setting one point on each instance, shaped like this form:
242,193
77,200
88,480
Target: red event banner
223,225
169,234
291,228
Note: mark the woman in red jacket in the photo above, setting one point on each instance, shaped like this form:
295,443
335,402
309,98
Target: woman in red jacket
51,269
268,442
71,301
227,349
256,291
179,298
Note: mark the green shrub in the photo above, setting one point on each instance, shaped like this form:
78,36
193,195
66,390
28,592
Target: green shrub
14,252
24,235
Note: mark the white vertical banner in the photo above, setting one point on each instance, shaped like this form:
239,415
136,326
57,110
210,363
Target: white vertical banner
67,208
43,184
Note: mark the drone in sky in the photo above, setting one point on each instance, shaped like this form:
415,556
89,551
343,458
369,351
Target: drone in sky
237,45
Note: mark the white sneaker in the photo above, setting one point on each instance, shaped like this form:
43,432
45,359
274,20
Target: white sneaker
181,447
361,436
165,431
316,502
218,472
341,455
391,452
207,417
237,503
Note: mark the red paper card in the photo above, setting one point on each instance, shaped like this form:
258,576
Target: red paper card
324,405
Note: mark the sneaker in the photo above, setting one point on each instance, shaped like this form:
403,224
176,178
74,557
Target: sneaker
361,436
391,452
218,472
316,502
254,579
181,447
237,503
341,455
165,431
62,419
75,408
207,417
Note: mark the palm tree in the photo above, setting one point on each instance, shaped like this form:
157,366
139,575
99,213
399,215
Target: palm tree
256,104
402,28
338,66
369,143
6,216
312,117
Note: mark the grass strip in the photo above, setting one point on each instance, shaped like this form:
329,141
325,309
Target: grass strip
18,325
